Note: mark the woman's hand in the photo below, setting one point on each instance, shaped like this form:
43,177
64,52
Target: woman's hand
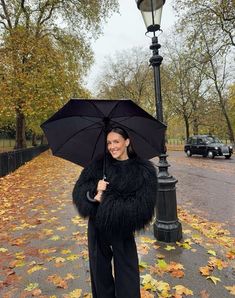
101,186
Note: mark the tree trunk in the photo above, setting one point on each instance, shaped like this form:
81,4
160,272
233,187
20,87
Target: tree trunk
229,126
186,122
195,126
20,130
43,140
34,140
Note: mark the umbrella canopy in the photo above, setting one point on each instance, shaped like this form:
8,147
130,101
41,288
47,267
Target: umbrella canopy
77,132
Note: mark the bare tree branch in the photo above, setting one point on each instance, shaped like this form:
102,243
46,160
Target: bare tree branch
6,13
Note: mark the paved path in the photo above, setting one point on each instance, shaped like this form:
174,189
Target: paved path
205,186
43,245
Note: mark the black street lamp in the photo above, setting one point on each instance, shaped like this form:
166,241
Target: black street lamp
167,227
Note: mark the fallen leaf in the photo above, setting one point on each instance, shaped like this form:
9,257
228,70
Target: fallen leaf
145,294
231,289
181,290
36,292
211,252
143,265
177,273
74,294
147,240
205,271
169,247
55,238
213,279
161,264
35,268
31,287
204,294
59,260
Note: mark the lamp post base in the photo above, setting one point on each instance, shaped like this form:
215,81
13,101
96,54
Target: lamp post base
167,228
168,232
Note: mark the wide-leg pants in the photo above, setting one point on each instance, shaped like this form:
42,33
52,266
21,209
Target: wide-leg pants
102,248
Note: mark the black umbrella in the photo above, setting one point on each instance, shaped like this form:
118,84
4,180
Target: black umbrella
77,132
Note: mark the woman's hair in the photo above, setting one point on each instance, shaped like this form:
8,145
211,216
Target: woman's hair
130,151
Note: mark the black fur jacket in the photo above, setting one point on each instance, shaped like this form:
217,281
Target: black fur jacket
129,200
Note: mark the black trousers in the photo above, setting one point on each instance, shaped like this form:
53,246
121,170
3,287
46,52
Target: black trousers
102,248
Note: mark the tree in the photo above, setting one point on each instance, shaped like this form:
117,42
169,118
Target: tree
128,75
46,44
210,30
183,84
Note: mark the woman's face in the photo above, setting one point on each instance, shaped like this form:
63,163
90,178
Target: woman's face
117,146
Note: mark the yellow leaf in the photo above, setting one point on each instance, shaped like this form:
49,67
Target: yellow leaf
163,286
231,289
181,290
143,265
47,232
147,240
214,279
169,247
31,287
214,262
149,283
35,268
74,294
88,295
72,257
47,251
65,251
69,276
2,249
62,228
161,264
211,252
55,238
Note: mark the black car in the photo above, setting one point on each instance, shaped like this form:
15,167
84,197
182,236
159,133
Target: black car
207,146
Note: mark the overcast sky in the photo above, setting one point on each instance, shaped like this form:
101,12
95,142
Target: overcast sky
122,31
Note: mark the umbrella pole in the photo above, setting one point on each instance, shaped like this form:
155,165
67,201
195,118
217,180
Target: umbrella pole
105,149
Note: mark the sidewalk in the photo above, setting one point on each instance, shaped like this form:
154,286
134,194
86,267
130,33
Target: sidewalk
43,246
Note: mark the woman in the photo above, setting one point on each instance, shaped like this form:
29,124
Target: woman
116,207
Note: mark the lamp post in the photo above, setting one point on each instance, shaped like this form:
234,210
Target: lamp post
167,227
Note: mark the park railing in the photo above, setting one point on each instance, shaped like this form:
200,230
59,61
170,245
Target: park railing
11,160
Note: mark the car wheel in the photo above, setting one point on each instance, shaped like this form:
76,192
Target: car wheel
210,154
188,153
227,156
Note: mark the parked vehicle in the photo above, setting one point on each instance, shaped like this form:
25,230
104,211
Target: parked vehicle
207,146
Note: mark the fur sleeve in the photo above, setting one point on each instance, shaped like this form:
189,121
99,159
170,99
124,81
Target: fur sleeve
86,183
128,212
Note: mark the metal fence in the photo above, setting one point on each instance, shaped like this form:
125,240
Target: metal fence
11,160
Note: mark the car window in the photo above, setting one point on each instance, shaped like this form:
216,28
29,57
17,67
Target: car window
194,141
200,141
211,139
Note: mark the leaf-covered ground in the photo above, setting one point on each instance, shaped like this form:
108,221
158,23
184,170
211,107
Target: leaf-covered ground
43,244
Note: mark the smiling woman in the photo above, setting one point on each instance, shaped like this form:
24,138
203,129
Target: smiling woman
116,207
117,146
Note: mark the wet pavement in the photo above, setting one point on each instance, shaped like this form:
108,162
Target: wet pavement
205,187
43,242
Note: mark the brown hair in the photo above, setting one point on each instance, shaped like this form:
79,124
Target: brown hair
130,151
